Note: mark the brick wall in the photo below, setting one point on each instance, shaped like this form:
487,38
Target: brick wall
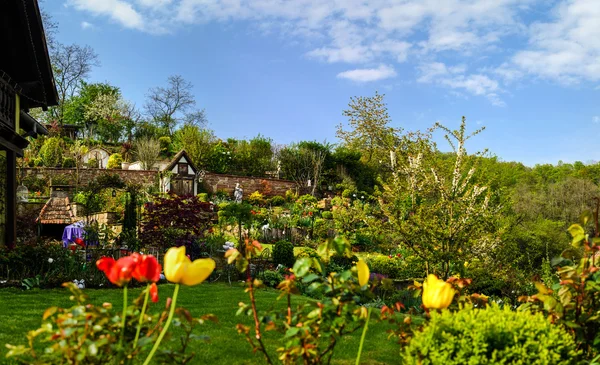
212,182
87,175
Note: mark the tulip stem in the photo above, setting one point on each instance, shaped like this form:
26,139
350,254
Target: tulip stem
123,317
362,338
137,333
166,327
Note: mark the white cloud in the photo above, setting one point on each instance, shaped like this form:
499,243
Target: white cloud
566,49
368,74
563,45
86,25
117,10
455,77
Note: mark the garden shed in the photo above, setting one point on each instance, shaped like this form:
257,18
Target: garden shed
179,176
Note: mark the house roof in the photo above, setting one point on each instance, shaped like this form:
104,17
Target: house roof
57,211
25,62
178,157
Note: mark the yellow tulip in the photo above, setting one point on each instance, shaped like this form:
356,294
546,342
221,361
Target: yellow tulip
363,272
181,270
437,294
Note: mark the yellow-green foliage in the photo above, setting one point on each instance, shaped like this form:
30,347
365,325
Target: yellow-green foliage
114,161
256,198
490,336
52,152
405,267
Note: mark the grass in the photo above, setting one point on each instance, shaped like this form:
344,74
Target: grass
22,311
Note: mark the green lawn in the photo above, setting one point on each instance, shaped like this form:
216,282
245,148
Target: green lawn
22,311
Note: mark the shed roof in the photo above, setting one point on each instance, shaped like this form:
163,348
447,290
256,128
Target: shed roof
57,211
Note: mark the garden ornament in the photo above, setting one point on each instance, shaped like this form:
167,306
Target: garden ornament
238,193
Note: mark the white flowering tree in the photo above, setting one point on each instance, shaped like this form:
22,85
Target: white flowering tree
443,216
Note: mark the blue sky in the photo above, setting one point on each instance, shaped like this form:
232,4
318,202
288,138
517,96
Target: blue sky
528,70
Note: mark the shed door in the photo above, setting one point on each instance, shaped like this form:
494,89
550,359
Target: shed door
182,187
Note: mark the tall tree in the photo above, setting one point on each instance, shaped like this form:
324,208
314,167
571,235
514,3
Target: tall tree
370,131
71,64
197,142
168,106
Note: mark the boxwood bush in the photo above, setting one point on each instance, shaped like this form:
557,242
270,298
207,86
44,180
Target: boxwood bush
490,336
283,253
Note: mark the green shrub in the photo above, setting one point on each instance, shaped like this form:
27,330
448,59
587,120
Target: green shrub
165,145
277,201
271,278
405,267
283,253
52,152
307,199
34,183
327,215
490,336
256,198
203,197
92,163
114,161
68,162
290,196
347,193
307,252
38,162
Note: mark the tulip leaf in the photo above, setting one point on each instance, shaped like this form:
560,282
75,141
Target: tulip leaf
310,278
302,266
585,217
578,234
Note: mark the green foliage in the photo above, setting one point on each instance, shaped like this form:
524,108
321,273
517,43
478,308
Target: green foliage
327,215
290,196
318,326
251,158
203,197
283,253
38,162
277,201
52,152
443,216
256,198
93,163
271,278
49,262
166,148
114,161
90,334
490,336
198,143
68,162
573,301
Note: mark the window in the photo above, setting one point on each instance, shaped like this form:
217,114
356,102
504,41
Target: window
182,169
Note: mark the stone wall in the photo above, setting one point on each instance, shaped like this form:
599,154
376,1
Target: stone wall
216,182
212,182
86,175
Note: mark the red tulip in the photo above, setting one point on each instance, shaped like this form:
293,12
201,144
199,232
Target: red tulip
146,269
118,272
154,293
78,241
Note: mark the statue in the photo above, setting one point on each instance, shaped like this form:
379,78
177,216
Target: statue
238,193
